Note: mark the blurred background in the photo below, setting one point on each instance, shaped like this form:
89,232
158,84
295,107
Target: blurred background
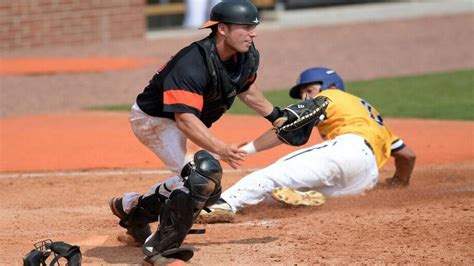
35,23
76,55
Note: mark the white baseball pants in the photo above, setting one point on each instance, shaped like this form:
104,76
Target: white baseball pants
162,136
339,167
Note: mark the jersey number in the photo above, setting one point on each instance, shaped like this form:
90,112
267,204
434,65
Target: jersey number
376,117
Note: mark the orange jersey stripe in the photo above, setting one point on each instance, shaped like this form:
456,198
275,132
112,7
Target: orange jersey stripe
250,79
183,97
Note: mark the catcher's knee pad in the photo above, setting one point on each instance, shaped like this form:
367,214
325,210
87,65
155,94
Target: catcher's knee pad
203,179
176,219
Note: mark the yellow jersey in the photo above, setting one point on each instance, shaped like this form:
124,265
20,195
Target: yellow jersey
347,113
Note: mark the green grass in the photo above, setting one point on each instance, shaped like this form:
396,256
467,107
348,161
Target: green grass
437,96
448,95
112,107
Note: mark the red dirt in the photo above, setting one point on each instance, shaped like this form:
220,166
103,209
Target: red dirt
38,65
98,140
428,222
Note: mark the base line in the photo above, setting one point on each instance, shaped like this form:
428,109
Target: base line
119,172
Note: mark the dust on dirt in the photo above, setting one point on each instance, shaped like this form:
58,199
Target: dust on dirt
428,222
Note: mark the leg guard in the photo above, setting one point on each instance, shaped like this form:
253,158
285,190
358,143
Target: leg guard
176,219
203,180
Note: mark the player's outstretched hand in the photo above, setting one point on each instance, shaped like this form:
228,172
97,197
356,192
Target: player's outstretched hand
232,155
397,181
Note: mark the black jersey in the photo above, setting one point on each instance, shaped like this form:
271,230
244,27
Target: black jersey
193,82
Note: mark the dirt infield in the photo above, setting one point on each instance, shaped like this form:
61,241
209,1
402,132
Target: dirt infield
428,222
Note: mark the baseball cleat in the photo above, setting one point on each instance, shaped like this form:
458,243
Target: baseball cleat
170,257
296,198
221,212
139,232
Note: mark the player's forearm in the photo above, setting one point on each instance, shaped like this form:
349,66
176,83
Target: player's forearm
197,132
404,164
264,142
254,99
404,167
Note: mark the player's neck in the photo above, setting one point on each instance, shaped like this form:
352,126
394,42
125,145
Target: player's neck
224,51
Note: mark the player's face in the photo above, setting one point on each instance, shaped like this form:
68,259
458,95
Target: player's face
240,37
310,91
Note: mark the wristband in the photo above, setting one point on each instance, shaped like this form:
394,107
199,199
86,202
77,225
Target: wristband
276,112
249,148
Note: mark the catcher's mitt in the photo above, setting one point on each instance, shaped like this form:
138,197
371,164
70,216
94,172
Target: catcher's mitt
295,126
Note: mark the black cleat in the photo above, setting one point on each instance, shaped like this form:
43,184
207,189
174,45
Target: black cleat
139,232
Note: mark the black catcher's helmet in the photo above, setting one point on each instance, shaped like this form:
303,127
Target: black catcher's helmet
234,12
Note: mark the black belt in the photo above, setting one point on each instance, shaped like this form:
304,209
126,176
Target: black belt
368,145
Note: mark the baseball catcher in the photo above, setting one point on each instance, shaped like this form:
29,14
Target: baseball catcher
182,101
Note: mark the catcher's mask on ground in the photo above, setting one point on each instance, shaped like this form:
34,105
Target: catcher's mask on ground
327,77
233,12
60,250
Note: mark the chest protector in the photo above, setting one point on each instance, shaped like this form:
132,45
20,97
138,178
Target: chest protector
224,85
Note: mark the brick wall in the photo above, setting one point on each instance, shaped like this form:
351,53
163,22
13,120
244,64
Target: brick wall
39,23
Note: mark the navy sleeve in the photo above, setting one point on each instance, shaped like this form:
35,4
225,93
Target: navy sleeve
249,82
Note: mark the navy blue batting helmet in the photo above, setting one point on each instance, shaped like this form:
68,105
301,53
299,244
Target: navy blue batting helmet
327,77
